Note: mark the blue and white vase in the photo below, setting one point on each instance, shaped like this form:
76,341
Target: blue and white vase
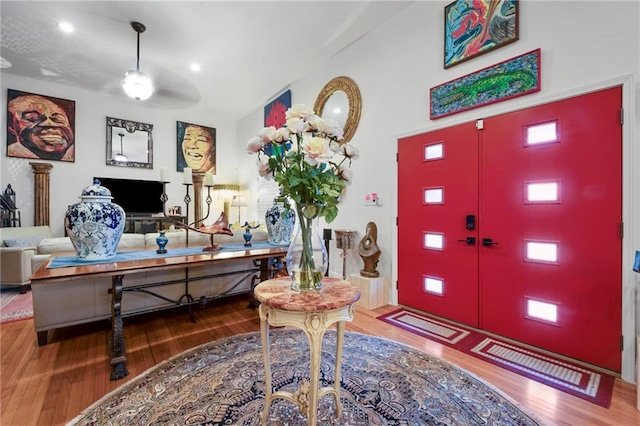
162,241
95,224
280,224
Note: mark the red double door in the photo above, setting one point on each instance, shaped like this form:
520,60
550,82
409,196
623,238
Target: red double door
514,227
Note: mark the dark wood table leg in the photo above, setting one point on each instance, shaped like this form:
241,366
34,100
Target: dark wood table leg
118,350
264,275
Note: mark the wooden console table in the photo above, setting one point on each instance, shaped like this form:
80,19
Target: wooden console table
117,271
312,312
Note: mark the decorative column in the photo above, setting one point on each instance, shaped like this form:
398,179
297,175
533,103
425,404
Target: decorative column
198,179
41,184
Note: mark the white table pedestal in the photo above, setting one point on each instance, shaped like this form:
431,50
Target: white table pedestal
313,313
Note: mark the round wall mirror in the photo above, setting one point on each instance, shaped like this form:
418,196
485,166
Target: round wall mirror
340,100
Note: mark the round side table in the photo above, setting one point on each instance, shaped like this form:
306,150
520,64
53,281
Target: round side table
312,312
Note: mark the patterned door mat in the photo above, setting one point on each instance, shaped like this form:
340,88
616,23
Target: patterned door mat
15,306
583,382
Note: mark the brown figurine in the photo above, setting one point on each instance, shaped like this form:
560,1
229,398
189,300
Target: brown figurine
369,251
220,226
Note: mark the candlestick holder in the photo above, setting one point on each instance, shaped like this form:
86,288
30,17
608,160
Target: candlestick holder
207,200
187,201
164,197
344,241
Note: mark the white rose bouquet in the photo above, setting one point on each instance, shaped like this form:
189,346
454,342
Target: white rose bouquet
307,160
310,164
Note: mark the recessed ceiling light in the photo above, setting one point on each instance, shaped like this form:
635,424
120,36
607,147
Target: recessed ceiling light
195,67
4,63
66,27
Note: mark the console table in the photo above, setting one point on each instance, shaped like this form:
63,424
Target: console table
133,269
312,312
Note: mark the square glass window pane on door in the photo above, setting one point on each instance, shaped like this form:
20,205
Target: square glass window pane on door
542,133
541,252
540,192
433,241
433,195
434,151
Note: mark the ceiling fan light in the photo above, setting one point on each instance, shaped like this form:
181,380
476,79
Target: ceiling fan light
137,85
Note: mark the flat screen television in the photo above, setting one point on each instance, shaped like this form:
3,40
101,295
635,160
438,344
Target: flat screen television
136,197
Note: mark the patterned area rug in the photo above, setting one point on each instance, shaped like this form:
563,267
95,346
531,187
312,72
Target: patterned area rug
15,306
585,383
383,383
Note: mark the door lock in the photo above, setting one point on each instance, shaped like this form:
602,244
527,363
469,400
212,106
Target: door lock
488,243
469,240
471,222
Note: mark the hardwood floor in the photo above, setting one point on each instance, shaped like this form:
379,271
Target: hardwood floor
51,384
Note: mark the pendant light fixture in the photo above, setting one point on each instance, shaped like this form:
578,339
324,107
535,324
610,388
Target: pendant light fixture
121,156
135,83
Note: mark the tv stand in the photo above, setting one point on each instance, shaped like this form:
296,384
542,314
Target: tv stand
143,224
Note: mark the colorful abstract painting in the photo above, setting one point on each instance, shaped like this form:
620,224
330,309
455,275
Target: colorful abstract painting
514,77
275,111
474,27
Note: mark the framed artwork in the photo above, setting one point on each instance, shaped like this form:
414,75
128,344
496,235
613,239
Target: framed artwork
275,111
40,126
475,27
196,147
509,79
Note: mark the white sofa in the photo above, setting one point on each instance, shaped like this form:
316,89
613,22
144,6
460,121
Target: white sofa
17,248
87,300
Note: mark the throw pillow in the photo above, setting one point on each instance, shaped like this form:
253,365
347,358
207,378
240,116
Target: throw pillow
31,241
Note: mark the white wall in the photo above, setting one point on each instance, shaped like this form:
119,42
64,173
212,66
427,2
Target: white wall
585,45
68,179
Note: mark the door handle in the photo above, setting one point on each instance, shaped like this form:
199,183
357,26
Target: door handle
469,240
487,242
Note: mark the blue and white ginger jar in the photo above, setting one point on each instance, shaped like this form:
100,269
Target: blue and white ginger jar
95,224
280,224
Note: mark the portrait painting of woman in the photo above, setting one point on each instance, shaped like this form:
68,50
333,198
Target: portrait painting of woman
196,147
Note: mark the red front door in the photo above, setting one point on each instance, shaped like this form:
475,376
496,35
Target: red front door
438,188
546,265
564,254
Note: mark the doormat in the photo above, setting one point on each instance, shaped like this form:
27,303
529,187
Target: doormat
574,379
15,306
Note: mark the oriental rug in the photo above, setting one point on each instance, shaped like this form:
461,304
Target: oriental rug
15,306
573,378
383,383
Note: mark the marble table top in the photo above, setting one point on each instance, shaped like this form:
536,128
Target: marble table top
335,293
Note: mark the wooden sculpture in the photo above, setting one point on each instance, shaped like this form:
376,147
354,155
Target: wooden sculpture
369,251
220,226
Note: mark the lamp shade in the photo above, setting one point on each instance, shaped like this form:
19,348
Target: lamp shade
137,85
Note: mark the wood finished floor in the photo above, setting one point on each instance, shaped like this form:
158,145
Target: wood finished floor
51,384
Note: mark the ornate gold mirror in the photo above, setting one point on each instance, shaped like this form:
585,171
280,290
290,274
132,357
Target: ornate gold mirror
340,100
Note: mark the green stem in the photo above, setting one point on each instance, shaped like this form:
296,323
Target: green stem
308,275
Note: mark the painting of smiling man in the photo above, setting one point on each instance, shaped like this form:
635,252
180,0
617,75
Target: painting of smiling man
40,127
196,148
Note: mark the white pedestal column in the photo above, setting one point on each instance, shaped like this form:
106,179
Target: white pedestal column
374,292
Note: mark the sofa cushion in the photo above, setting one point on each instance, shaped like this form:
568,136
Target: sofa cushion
21,232
131,241
55,245
31,241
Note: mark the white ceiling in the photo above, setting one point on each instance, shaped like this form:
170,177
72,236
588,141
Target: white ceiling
249,51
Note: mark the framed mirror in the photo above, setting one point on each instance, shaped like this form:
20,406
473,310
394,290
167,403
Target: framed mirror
340,100
129,143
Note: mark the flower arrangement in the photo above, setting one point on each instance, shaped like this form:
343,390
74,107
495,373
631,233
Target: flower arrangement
310,163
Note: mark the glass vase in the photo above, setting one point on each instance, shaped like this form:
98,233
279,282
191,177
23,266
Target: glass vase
307,259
